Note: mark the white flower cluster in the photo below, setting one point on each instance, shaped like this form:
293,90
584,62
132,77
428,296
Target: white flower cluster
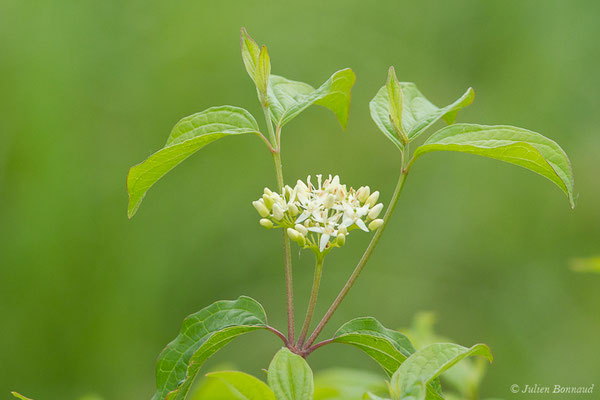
320,217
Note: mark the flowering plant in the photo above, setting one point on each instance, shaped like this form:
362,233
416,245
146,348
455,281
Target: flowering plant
319,216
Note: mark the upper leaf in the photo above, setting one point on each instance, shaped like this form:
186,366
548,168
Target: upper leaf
188,136
389,348
427,364
395,101
507,143
257,62
289,98
418,113
244,385
290,377
203,334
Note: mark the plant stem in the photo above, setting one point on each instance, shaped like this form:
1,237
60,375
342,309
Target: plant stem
279,334
313,300
287,252
363,261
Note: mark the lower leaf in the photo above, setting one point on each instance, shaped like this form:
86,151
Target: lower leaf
388,347
290,377
427,364
203,334
246,386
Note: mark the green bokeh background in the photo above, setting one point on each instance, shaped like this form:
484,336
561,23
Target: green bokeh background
88,88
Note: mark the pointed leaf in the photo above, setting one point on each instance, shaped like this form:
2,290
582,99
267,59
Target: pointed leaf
244,385
428,363
188,136
388,347
202,335
250,55
290,377
510,144
289,98
263,72
395,104
418,113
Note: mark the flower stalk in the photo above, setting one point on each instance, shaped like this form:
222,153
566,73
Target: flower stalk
313,300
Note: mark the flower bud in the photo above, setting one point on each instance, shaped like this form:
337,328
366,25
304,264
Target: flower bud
296,236
268,200
266,223
302,229
372,198
268,191
363,194
343,230
375,211
260,207
341,239
277,212
375,224
329,201
293,209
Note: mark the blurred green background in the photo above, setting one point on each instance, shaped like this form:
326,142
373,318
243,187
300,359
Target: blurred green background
88,88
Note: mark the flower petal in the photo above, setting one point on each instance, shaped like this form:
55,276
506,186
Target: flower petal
361,225
323,243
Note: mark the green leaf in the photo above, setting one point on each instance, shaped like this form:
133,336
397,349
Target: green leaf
290,377
506,143
244,385
395,101
289,98
415,392
347,384
428,363
188,136
418,113
20,396
388,347
212,389
263,73
464,377
250,55
203,334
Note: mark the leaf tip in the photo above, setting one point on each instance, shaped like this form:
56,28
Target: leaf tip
485,351
471,95
392,75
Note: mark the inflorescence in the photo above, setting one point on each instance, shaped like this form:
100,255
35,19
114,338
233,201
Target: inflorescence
320,217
